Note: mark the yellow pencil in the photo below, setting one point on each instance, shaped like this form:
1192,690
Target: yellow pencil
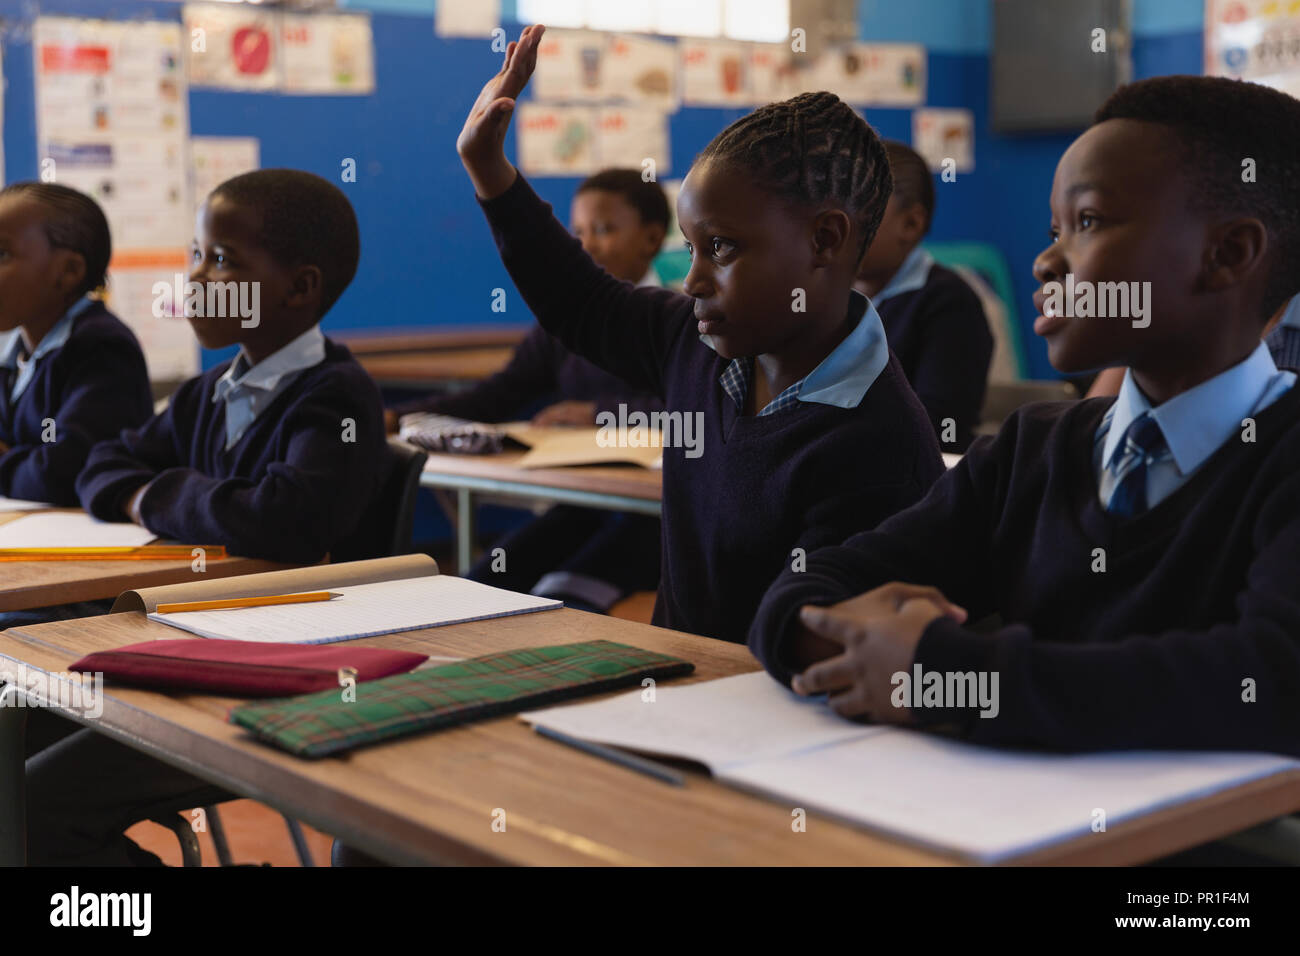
263,601
145,552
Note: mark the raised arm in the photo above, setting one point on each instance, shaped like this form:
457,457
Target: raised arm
626,330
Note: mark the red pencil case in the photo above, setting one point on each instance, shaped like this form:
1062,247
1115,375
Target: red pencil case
245,668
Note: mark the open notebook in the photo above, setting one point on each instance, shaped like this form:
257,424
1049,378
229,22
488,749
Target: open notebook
71,529
381,596
974,802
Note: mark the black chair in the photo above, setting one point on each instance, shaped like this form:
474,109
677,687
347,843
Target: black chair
384,530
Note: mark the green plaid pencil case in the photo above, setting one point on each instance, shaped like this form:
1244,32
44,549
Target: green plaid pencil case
316,725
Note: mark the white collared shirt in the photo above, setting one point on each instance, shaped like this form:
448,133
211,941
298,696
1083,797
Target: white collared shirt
247,391
911,275
12,349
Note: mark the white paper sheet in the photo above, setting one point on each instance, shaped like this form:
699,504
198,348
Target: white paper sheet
17,504
65,529
364,610
977,802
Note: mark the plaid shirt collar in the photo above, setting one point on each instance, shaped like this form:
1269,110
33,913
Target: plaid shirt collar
842,378
735,382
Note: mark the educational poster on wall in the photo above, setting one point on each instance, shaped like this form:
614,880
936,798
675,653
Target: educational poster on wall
642,70
714,72
940,135
874,74
632,137
556,140
112,121
1256,40
770,72
466,18
214,159
572,67
327,53
232,46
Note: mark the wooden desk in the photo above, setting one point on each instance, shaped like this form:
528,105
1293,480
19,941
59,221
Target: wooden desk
29,584
378,341
424,369
612,487
431,797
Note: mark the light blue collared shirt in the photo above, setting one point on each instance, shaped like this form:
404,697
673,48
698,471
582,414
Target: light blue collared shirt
911,275
841,378
247,391
54,339
1195,424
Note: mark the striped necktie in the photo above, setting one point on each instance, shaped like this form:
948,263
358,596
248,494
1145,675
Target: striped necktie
1143,446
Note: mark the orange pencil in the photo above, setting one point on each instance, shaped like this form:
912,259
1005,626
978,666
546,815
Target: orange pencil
307,597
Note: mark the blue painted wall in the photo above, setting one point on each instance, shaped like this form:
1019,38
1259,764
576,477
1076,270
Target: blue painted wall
427,257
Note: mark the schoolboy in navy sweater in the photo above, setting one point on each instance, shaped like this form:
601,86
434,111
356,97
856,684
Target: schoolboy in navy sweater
808,426
71,374
273,454
933,319
1141,554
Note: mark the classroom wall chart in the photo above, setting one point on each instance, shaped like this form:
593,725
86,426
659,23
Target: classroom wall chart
214,159
112,121
1256,40
255,49
944,135
466,18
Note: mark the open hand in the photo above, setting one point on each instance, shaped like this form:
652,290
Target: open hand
481,143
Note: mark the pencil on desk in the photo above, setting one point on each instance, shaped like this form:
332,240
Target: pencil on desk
640,764
266,600
144,552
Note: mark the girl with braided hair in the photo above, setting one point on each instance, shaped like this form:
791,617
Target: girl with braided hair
808,428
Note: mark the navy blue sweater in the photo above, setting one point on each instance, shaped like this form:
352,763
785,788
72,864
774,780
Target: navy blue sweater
93,386
763,486
942,340
291,489
540,368
1198,595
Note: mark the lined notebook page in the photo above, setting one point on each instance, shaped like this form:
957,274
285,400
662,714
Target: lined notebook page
17,504
66,529
364,610
978,802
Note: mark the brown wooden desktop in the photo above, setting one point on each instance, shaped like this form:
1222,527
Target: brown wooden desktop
433,797
32,584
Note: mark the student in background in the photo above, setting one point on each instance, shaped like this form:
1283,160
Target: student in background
933,319
273,455
71,374
807,428
1140,554
1281,335
584,557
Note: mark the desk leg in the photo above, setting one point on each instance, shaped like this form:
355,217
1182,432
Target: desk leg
464,531
13,778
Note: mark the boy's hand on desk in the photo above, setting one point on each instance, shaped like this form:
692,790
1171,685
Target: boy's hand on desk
481,143
567,413
879,632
